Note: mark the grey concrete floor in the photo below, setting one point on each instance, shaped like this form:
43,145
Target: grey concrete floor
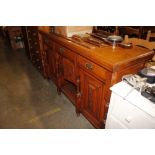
28,101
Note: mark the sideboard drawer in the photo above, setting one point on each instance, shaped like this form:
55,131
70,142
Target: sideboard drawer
92,68
66,53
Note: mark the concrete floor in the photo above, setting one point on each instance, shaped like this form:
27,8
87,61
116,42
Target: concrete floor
28,101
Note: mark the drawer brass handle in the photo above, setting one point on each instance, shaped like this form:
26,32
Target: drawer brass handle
89,66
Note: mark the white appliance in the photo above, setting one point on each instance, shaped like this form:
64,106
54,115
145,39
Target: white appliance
128,109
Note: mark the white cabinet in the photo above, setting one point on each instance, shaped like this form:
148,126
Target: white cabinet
128,109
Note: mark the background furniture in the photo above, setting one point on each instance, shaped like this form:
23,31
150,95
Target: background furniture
142,42
145,44
14,36
131,31
150,35
107,30
33,47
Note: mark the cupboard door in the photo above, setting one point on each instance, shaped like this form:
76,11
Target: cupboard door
93,103
50,62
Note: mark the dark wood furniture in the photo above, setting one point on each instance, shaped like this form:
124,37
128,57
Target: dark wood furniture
150,36
14,35
131,31
33,48
49,57
136,31
25,40
85,75
108,30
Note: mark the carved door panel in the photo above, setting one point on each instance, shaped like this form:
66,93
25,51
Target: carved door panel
50,61
92,99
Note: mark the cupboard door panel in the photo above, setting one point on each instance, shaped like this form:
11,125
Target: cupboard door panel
92,105
49,61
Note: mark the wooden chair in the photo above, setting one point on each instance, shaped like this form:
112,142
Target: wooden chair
140,42
146,43
132,31
107,30
150,35
143,43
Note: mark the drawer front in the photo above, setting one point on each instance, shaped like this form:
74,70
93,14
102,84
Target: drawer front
69,54
130,115
92,68
66,53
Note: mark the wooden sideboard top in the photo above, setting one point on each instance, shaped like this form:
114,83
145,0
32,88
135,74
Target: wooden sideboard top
107,57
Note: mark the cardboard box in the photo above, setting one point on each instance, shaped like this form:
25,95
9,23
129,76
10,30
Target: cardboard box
68,31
